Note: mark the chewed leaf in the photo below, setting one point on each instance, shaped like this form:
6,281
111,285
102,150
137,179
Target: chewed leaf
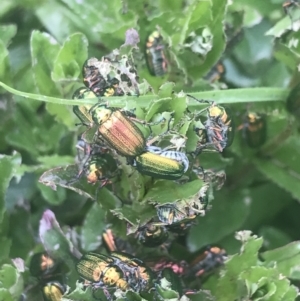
164,192
135,216
66,176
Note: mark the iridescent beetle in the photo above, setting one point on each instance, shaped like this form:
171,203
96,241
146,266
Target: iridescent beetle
255,129
95,163
82,111
155,54
181,214
43,265
152,235
92,78
218,131
112,75
216,72
209,259
119,270
168,165
118,131
215,178
138,275
49,273
53,291
99,271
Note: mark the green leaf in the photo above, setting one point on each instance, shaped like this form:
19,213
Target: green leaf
230,287
112,19
7,32
56,197
164,192
56,243
217,31
11,280
80,294
5,295
21,245
58,19
136,216
202,295
93,227
221,96
165,293
286,258
4,64
280,27
63,114
69,61
44,49
273,237
6,246
213,226
281,167
65,176
55,160
7,169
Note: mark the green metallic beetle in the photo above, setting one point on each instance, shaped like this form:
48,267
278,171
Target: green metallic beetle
255,129
100,167
53,291
218,128
182,213
82,111
95,163
152,235
155,54
138,275
118,270
118,131
169,165
99,271
42,265
206,261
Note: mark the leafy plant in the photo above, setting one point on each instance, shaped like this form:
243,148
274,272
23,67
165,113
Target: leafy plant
43,47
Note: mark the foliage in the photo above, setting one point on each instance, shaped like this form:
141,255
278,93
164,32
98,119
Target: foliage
43,46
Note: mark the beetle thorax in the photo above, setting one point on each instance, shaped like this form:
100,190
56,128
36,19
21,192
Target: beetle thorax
102,115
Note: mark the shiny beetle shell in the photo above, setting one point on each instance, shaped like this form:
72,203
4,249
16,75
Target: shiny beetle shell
99,270
53,291
113,276
118,131
177,156
92,266
137,274
42,264
159,167
92,78
155,55
152,235
255,130
210,258
185,209
95,172
219,126
82,111
216,72
169,214
99,167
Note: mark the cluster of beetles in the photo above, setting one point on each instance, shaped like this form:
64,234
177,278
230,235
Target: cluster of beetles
115,133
